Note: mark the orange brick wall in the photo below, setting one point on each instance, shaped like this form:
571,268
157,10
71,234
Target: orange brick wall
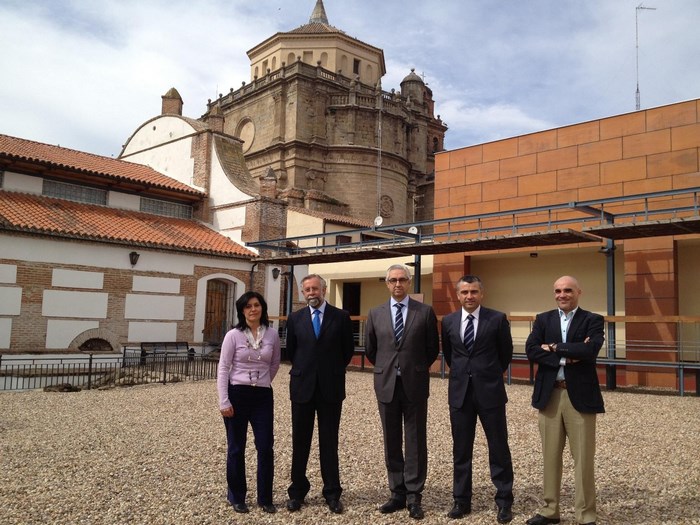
646,151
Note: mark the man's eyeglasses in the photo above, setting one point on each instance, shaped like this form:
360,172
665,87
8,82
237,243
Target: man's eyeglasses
402,280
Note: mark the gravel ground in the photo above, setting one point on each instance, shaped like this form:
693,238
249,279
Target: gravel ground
155,454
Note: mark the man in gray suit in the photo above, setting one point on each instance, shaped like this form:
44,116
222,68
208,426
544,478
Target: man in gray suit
402,343
478,348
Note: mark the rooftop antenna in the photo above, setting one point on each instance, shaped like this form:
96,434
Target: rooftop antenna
636,34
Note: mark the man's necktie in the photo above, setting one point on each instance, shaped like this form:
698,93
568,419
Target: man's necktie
317,322
469,333
398,322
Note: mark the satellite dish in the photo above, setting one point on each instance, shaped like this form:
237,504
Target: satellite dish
378,220
413,230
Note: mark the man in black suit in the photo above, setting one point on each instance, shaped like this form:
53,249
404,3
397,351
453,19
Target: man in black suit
565,343
402,343
320,345
478,348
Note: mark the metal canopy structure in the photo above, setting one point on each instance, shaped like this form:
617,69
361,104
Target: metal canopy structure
596,221
661,228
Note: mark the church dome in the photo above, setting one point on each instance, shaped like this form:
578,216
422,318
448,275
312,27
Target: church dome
412,77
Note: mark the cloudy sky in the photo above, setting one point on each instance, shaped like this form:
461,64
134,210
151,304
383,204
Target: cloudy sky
86,73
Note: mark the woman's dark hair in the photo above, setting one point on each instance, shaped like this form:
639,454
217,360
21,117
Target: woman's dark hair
240,306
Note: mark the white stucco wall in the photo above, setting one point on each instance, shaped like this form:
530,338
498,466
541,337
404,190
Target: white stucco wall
24,183
60,332
116,199
164,144
69,308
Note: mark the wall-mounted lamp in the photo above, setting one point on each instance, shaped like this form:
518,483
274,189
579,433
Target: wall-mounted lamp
275,273
134,258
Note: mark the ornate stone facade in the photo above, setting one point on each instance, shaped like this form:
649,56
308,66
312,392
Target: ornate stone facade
314,112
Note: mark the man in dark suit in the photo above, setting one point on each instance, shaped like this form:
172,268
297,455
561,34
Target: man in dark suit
478,348
402,343
320,345
565,343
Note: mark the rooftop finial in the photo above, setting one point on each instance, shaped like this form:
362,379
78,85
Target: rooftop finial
319,14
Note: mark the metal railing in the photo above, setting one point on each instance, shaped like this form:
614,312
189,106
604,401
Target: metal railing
103,370
679,357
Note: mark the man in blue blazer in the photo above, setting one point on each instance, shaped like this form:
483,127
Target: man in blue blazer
320,345
565,343
478,348
402,343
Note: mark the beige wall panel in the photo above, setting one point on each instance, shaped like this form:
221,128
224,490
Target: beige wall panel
158,307
77,279
60,333
89,305
152,332
10,300
8,273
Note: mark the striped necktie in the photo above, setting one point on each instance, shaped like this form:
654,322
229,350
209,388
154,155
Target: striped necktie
398,322
469,333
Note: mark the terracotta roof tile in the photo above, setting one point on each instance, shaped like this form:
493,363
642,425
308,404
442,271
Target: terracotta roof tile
22,149
316,27
35,214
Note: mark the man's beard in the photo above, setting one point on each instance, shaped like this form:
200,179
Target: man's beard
313,302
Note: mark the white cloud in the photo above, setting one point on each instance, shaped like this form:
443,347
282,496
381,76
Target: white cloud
86,74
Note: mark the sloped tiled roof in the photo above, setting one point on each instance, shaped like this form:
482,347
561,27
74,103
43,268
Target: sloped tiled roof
88,163
34,214
232,161
333,217
315,28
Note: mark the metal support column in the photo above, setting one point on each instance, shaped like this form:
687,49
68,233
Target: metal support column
416,276
610,370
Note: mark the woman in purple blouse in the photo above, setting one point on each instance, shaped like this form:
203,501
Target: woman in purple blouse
250,359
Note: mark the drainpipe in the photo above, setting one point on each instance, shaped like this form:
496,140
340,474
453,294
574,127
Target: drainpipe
252,270
290,290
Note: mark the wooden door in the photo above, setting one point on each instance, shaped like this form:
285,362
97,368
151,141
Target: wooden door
218,315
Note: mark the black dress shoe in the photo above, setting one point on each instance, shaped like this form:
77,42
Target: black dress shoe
293,505
269,508
335,506
459,510
505,514
241,507
392,506
538,519
415,511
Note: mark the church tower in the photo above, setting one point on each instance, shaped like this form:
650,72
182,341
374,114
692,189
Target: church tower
315,113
